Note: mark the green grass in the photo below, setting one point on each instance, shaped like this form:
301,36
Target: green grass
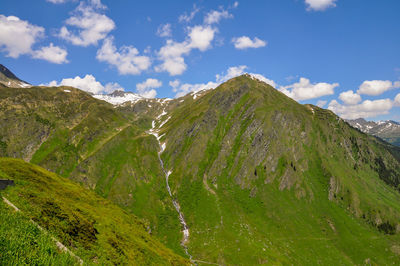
22,243
93,228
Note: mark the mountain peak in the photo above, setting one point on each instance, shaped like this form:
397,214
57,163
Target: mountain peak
8,79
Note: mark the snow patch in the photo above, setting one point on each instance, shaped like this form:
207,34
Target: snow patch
116,100
67,91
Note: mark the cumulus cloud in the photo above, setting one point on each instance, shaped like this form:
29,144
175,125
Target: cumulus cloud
126,59
185,88
52,54
199,37
264,79
305,90
350,98
112,86
147,88
245,42
17,37
215,16
319,5
230,73
87,83
164,30
377,87
92,26
365,109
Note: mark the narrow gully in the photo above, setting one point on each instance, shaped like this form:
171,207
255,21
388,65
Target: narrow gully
185,230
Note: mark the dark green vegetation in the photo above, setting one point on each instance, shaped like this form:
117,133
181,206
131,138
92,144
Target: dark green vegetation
92,227
259,177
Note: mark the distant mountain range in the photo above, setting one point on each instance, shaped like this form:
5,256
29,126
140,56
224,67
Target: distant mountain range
388,130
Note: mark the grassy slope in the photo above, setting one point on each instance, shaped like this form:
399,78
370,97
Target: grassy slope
21,242
93,228
278,182
89,141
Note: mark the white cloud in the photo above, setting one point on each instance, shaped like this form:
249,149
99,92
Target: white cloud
264,79
305,90
245,42
18,36
92,26
231,73
397,100
183,89
164,30
127,59
350,98
319,5
321,103
365,109
199,37
377,87
147,88
52,54
87,83
112,86
188,17
215,16
236,4
57,1
172,56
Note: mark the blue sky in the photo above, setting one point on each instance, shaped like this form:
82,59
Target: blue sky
342,55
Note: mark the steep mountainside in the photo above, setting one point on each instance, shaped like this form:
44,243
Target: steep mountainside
93,228
255,176
386,130
69,132
8,79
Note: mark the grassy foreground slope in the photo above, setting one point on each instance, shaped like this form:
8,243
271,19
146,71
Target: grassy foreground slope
263,179
93,228
22,243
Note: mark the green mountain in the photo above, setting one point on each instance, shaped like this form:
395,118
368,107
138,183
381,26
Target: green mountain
240,174
95,229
